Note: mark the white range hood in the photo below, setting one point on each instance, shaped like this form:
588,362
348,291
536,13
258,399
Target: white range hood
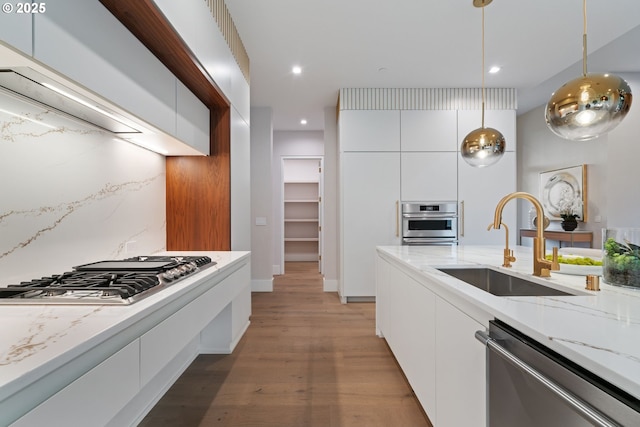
30,85
25,79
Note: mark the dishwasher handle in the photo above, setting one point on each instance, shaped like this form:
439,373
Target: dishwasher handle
575,402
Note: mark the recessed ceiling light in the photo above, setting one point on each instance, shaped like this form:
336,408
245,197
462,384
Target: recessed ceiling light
303,121
296,69
494,69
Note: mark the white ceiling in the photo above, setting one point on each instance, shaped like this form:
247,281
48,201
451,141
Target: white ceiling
424,43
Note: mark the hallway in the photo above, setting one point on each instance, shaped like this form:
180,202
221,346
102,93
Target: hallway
305,360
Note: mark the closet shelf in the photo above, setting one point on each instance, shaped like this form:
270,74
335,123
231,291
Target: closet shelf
301,239
301,220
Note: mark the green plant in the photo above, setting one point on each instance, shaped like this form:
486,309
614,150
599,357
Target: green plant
622,263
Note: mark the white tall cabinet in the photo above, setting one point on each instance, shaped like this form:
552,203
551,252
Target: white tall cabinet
369,195
480,189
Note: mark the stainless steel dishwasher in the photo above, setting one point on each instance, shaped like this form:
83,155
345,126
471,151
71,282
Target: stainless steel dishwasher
530,385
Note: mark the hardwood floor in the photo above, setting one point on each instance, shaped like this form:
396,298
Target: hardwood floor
306,360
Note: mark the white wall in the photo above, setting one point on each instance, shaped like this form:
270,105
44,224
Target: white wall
331,254
288,143
612,160
240,183
623,165
261,199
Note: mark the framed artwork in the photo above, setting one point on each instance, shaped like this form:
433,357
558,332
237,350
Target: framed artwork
564,191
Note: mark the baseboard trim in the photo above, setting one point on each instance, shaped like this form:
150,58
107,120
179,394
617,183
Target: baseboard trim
361,299
262,285
329,285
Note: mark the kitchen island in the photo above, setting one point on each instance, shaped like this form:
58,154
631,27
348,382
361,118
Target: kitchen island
108,365
429,319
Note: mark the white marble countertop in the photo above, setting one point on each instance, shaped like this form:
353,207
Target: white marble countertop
598,330
38,339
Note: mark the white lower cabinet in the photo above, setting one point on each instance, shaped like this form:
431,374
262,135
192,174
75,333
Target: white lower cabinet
434,344
124,387
162,343
369,205
92,399
461,371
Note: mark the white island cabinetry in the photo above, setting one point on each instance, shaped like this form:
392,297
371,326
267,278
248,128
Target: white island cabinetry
434,344
460,368
405,317
608,348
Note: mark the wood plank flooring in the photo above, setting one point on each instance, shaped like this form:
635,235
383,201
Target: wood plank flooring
306,360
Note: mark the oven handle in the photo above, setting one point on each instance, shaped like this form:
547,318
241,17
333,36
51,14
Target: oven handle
576,403
461,218
444,215
397,218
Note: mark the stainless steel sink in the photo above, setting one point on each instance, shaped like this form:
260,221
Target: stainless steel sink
501,284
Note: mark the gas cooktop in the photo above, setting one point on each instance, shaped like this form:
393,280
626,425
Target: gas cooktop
112,282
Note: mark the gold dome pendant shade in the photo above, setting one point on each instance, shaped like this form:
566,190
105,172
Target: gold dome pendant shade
483,146
588,106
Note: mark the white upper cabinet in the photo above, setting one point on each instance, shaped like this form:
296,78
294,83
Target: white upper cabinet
192,124
84,41
16,28
428,130
502,120
479,191
429,176
369,130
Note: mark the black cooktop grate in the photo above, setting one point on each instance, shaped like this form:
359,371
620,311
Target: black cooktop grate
120,279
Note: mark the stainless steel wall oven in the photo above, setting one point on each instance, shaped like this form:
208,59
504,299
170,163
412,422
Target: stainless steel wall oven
429,223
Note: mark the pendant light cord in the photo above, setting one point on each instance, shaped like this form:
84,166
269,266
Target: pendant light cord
584,38
483,65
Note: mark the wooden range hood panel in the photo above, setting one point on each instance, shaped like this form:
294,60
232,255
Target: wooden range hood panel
198,189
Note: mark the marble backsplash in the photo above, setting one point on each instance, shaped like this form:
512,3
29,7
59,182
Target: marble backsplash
72,194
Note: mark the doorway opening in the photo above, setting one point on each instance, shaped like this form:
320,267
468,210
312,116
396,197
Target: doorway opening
302,193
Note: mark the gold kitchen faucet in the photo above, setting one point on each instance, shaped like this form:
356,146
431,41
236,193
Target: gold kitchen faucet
508,257
541,266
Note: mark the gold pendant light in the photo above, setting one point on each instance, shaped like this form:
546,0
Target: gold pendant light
588,106
483,146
